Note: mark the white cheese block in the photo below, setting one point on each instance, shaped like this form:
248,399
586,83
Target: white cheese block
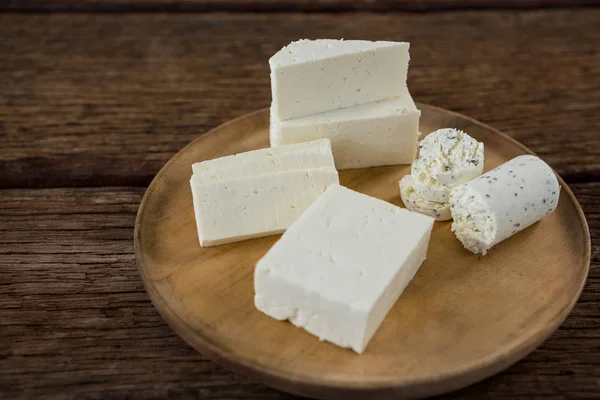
245,208
447,158
314,76
414,202
312,154
338,270
380,133
502,202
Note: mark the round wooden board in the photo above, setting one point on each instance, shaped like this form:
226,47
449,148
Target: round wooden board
462,318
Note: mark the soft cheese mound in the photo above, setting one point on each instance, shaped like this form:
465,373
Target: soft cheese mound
502,202
338,270
447,158
414,202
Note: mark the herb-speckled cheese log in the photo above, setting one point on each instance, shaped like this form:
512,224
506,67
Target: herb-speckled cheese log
447,158
414,202
502,202
379,133
314,76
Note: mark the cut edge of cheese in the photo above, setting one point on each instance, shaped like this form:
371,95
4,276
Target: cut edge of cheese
288,161
475,233
400,105
320,147
321,49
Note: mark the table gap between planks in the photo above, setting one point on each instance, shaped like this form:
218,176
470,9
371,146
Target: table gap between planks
93,104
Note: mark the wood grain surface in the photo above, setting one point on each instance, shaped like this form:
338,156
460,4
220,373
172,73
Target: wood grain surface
93,100
76,322
282,5
91,106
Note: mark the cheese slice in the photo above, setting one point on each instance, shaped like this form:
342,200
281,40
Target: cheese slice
338,270
245,208
314,76
379,133
312,154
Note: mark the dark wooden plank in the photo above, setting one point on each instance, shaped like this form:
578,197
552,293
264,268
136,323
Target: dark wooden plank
282,5
75,321
96,99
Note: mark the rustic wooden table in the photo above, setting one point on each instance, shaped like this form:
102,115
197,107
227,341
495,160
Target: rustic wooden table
93,104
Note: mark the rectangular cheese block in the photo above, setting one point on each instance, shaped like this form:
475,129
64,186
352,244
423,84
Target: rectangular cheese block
250,207
314,76
338,270
312,154
380,133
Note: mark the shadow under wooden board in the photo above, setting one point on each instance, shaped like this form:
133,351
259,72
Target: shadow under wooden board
463,317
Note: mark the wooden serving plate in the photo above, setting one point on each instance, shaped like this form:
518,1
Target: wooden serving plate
462,318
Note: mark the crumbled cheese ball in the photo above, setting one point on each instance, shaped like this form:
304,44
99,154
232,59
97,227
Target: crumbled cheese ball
447,158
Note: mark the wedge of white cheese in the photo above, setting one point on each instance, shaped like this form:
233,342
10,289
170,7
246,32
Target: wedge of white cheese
447,158
338,270
314,76
379,133
258,193
414,202
502,202
312,154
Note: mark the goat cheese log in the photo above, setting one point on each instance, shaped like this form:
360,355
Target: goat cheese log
414,202
502,202
447,158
